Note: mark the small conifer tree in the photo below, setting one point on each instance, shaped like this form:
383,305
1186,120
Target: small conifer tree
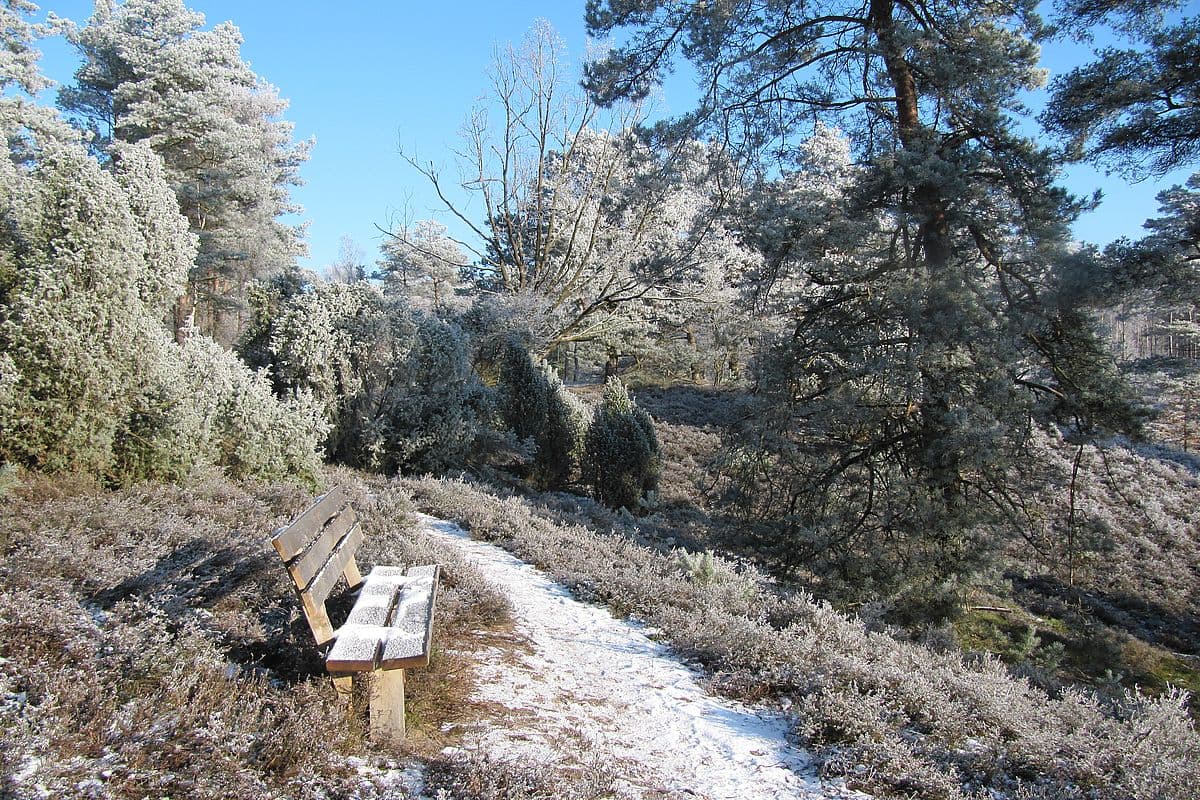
621,460
524,393
560,451
537,407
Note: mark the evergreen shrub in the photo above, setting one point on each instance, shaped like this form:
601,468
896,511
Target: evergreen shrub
91,260
621,461
394,385
536,406
238,421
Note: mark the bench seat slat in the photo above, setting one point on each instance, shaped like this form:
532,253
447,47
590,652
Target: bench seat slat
356,648
291,541
390,626
426,571
408,644
358,642
375,601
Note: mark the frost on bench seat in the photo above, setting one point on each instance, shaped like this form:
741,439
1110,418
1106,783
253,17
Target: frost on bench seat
391,624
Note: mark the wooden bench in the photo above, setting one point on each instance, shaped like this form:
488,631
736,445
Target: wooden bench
391,625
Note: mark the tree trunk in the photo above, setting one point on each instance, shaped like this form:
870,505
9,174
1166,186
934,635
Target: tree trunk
611,364
936,323
930,207
694,342
184,317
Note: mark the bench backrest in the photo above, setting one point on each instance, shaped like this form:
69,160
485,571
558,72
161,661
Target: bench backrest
318,548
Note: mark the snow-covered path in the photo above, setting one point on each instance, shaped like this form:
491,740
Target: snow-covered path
600,683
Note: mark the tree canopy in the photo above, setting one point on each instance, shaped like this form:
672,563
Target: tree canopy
152,74
934,312
1134,109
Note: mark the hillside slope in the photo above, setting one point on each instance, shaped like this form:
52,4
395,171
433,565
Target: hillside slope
152,645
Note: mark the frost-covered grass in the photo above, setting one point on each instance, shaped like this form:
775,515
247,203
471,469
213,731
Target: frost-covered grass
478,775
151,645
1138,525
1109,605
1117,595
893,717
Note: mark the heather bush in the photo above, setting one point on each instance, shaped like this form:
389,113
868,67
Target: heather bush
890,716
474,775
535,405
395,385
134,626
621,461
153,644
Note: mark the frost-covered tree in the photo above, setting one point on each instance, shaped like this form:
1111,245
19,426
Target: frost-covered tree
1164,265
621,460
423,263
74,286
395,385
151,74
350,265
24,121
91,260
584,225
1136,110
19,56
536,407
934,306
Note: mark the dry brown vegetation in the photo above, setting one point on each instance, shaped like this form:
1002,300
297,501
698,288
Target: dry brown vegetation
896,718
152,646
1111,604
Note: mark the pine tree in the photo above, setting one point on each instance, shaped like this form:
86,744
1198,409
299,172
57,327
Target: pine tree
19,56
920,314
1134,109
151,74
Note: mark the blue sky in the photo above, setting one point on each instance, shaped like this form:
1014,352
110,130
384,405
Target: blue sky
366,78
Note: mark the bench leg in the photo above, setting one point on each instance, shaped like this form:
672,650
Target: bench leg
343,682
387,705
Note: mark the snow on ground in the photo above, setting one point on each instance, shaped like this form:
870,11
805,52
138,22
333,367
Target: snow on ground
589,682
